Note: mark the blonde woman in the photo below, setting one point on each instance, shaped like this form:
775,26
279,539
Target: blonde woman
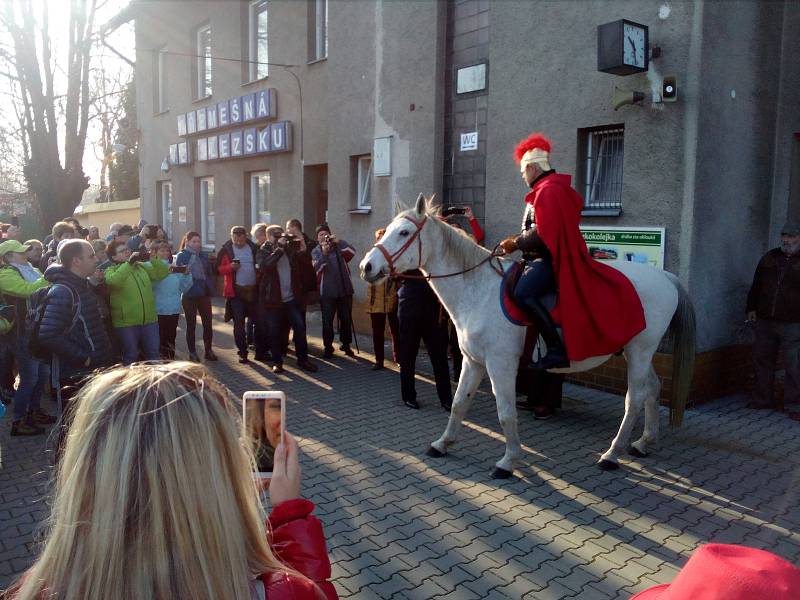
155,498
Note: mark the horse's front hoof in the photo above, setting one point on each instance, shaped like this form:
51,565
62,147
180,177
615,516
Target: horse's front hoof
499,473
634,451
434,453
607,465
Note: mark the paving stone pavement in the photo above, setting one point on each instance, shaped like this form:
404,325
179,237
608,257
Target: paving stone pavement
402,525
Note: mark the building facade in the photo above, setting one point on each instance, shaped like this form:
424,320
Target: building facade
370,101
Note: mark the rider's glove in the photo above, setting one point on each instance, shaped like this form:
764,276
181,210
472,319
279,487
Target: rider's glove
509,245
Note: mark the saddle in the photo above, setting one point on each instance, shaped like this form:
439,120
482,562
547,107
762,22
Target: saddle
510,309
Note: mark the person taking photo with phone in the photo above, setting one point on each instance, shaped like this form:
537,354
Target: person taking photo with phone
129,490
133,306
330,260
167,293
285,275
198,298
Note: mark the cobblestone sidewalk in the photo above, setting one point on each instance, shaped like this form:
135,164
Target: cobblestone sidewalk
402,525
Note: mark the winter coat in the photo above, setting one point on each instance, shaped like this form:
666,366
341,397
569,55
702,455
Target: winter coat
131,287
382,297
88,338
303,279
200,287
775,292
224,261
333,273
167,292
15,291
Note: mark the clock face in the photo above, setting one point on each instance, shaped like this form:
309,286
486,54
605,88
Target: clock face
634,49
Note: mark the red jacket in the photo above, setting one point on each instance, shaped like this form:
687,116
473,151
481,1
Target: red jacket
598,307
298,541
224,259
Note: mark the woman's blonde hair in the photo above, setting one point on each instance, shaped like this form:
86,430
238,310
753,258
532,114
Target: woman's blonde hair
154,494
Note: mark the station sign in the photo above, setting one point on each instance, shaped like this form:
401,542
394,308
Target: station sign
257,106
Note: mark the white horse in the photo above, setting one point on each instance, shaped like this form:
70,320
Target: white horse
417,239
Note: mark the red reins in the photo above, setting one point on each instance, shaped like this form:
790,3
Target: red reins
391,258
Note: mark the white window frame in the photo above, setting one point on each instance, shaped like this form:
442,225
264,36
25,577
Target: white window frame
257,70
320,29
160,78
208,235
204,66
255,214
363,181
166,207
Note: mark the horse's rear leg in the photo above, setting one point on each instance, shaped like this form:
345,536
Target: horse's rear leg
469,380
638,381
650,435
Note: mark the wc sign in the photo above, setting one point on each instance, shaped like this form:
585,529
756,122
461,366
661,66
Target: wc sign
469,141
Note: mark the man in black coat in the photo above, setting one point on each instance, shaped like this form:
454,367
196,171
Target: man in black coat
773,304
420,316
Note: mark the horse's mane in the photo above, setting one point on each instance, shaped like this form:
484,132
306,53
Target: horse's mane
457,244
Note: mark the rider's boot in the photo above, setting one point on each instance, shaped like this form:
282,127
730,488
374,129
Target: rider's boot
556,357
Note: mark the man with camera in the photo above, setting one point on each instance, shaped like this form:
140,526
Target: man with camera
133,306
237,265
330,260
285,276
61,231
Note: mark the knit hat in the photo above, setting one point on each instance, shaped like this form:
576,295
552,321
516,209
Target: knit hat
790,228
322,227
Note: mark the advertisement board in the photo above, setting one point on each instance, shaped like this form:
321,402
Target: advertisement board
636,244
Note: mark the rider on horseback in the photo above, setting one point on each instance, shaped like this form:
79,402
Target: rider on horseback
556,257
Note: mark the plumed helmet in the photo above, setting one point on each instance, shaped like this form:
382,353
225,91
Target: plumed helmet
533,149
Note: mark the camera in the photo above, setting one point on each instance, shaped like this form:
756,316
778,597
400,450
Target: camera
142,256
453,210
289,237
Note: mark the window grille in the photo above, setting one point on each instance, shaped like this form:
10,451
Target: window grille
602,169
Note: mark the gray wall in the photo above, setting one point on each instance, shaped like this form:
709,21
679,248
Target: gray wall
713,169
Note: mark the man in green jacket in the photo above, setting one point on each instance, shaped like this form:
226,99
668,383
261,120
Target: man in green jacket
133,306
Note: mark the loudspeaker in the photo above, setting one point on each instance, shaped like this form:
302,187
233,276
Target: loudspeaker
621,98
669,89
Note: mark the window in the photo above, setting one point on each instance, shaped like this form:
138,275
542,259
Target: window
203,54
259,48
318,30
600,169
260,198
160,81
166,207
207,214
363,174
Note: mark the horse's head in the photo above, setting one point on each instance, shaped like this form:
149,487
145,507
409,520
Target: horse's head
400,249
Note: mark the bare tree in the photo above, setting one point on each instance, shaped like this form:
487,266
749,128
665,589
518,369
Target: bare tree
56,184
107,109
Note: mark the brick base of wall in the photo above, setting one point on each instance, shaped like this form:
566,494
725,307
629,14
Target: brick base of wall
717,373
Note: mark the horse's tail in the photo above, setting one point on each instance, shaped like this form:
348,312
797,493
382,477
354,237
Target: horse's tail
683,327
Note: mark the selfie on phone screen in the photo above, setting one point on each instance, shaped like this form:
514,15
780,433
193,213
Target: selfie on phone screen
263,422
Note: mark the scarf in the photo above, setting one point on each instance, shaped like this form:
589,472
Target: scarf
196,267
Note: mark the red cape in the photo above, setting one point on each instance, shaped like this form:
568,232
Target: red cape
598,307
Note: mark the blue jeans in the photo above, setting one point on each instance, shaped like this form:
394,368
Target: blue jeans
537,279
278,320
138,338
33,375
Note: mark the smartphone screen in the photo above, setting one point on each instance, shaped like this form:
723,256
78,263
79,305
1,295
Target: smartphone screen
264,423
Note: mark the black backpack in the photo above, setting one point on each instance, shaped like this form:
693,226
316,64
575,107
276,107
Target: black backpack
37,303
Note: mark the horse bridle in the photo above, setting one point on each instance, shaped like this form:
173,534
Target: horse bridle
391,258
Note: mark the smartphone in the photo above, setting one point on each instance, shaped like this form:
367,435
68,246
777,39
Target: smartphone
264,425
